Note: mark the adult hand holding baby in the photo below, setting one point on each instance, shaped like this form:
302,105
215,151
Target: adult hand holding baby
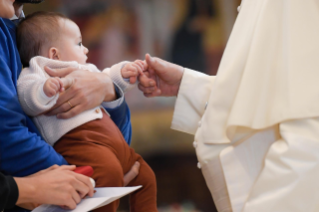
87,90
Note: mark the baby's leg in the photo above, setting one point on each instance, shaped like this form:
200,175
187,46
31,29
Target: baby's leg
144,199
108,171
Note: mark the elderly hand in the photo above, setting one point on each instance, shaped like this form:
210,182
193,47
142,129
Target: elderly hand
161,79
87,91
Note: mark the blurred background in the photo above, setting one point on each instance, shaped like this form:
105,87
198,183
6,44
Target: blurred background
191,33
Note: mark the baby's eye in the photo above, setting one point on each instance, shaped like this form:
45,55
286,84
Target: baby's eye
80,44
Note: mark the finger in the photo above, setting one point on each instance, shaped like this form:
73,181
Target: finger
139,63
146,81
55,85
158,92
67,82
140,69
84,186
70,204
67,167
70,113
51,168
133,80
66,102
149,60
147,90
145,65
135,69
61,108
59,72
60,84
76,196
52,90
134,171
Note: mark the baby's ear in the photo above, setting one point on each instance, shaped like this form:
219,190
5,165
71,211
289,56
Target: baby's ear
54,53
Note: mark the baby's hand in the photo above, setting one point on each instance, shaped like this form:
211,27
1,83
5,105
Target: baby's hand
53,86
133,70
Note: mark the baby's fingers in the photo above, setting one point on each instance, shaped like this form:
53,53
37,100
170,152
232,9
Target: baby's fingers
133,80
139,69
60,86
140,64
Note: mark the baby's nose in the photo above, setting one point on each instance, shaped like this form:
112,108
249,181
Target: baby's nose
86,50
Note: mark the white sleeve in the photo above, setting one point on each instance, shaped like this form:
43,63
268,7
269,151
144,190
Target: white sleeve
115,73
31,94
190,104
117,102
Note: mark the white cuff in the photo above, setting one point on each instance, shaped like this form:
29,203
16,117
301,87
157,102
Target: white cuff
42,97
115,103
194,92
116,76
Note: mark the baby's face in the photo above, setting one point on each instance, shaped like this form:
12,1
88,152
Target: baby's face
70,43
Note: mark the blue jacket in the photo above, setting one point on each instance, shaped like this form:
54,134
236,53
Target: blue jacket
22,150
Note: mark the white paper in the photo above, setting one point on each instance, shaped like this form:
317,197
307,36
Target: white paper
103,196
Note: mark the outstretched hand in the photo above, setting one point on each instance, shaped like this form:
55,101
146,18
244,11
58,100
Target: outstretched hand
161,79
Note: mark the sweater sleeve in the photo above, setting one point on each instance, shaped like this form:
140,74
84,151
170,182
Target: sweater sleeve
31,95
115,73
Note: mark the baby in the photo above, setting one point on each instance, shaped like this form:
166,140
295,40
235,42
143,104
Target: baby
90,138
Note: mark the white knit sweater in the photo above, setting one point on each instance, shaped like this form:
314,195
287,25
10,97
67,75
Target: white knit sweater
34,102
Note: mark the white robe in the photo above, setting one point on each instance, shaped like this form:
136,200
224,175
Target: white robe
257,141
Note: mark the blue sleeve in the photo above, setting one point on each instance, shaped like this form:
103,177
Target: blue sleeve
21,152
121,116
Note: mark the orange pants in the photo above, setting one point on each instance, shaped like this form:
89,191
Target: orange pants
100,144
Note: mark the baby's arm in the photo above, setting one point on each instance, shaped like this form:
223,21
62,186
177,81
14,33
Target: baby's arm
123,72
53,86
32,89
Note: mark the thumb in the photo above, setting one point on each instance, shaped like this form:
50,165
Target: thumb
67,82
59,72
150,61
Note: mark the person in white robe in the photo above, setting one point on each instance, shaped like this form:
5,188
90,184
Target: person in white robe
256,123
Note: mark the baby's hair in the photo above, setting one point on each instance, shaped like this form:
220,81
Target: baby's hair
36,30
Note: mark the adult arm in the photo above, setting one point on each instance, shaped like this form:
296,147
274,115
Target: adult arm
22,152
191,88
8,192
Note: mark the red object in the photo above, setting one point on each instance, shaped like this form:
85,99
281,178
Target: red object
85,170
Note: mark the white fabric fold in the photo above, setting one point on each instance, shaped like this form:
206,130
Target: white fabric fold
268,72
